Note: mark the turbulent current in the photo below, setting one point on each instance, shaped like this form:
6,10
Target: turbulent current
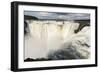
56,40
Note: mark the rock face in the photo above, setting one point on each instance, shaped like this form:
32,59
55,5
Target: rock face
56,40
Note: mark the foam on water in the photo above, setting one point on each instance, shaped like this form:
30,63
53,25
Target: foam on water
47,37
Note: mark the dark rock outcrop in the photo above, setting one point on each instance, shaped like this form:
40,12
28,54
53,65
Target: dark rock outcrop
27,17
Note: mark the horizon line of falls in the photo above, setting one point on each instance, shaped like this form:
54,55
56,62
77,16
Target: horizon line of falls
57,40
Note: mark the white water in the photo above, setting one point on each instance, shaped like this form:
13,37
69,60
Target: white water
46,36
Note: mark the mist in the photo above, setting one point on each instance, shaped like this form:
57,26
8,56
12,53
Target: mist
56,40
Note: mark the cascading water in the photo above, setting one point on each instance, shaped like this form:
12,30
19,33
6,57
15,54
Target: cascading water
57,40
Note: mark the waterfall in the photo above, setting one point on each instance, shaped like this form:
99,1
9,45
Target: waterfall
47,37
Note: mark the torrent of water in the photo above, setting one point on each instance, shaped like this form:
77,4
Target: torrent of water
49,36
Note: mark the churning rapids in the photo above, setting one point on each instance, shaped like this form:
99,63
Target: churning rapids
56,40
